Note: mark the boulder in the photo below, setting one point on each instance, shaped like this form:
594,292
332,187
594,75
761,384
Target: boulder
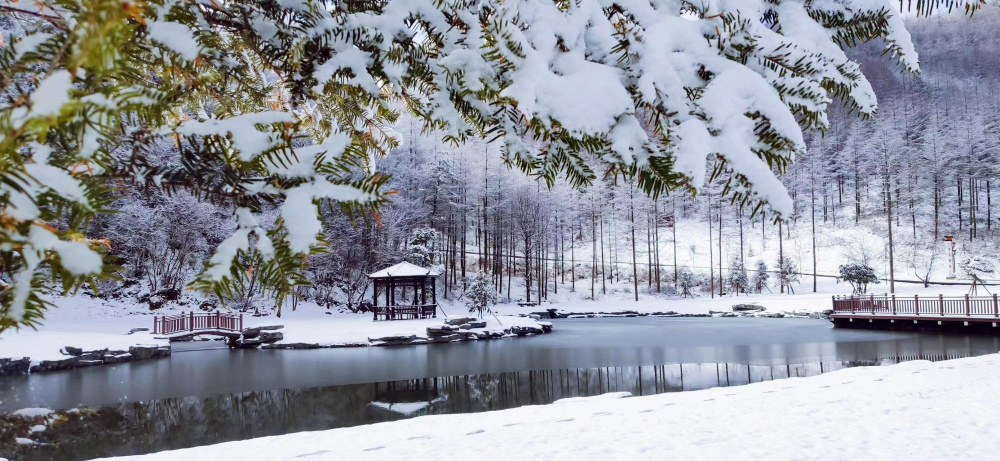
386,339
489,335
136,330
445,338
142,352
546,327
773,315
80,363
70,350
156,301
526,330
162,351
117,358
480,324
456,320
271,336
248,343
291,346
271,327
13,367
393,340
747,307
440,330
535,316
93,355
55,365
465,326
251,333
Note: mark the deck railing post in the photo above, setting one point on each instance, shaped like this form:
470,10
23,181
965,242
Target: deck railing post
854,303
996,312
941,300
916,305
871,305
894,303
967,310
241,322
155,324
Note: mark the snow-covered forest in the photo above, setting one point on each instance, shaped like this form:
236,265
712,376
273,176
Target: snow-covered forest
924,166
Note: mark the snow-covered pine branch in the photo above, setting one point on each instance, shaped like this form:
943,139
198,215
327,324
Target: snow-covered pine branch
287,105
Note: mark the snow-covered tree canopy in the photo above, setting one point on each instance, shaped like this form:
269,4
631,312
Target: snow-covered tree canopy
286,103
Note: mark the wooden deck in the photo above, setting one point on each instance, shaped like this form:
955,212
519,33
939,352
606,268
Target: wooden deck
945,313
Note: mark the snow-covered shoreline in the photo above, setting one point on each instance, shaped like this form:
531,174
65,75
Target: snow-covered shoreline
905,411
81,331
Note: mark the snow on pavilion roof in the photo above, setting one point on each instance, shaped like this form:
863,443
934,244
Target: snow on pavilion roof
403,269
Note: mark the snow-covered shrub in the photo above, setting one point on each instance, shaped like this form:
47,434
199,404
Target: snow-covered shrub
788,273
686,280
760,277
420,250
480,294
977,267
737,279
859,276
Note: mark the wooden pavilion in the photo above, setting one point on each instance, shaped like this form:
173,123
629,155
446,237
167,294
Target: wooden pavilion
395,285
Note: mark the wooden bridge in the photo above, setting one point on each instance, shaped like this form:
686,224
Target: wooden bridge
198,323
959,313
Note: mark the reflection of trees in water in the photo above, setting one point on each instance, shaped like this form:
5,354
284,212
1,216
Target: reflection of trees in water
143,427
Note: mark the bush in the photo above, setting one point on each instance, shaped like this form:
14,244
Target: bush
859,276
480,294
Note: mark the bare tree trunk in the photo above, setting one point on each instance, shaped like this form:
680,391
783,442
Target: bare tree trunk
720,247
711,261
631,218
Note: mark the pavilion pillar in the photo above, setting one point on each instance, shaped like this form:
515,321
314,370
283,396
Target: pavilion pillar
375,300
423,291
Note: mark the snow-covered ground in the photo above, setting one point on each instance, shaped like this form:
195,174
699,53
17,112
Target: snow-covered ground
915,410
621,298
92,324
312,325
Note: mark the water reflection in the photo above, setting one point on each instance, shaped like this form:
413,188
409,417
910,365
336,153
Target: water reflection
170,423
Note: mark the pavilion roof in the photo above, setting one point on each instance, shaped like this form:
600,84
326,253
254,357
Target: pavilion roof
403,269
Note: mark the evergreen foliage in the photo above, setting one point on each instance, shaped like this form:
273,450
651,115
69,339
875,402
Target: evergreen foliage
788,273
285,106
686,280
737,279
859,276
480,294
421,247
760,277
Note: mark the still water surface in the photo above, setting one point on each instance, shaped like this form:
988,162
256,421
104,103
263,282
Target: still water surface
198,397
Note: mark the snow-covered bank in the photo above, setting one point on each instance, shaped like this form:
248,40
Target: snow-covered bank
619,297
89,324
915,410
313,328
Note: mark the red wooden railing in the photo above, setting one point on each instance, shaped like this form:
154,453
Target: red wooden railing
196,321
915,305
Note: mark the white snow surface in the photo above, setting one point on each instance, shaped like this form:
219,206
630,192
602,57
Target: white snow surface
915,410
403,269
32,412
